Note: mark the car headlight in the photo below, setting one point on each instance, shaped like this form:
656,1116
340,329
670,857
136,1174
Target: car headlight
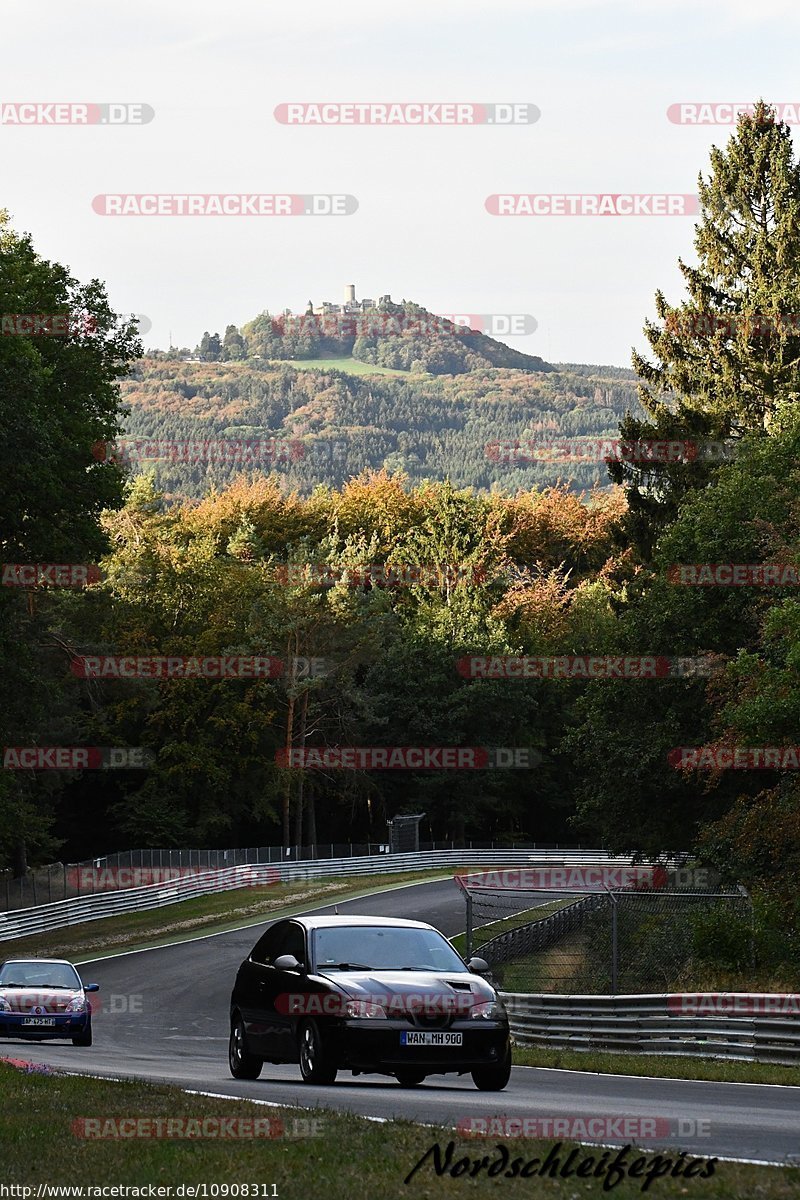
364,1008
487,1010
77,1005
4,1005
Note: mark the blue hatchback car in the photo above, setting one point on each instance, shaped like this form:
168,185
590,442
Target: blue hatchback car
44,998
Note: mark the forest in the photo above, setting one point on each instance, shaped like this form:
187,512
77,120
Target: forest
409,560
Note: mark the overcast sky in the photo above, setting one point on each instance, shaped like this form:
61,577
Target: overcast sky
602,73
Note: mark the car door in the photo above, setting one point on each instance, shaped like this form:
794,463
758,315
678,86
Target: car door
283,988
267,1020
251,996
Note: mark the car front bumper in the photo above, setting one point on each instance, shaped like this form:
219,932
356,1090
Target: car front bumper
365,1044
66,1026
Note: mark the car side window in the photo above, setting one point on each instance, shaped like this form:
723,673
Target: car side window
264,950
291,941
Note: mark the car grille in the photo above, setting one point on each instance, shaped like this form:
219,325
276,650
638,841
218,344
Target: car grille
431,1021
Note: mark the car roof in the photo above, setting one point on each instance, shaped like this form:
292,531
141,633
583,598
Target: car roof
312,922
43,962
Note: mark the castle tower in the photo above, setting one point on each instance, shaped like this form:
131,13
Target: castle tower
350,293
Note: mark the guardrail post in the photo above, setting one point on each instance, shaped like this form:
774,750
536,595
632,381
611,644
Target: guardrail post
614,945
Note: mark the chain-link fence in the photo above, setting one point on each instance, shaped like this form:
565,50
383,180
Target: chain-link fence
609,941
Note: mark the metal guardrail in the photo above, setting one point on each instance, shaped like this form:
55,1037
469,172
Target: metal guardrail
656,1024
46,917
247,856
25,922
65,881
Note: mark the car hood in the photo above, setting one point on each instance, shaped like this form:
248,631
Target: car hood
374,984
39,1001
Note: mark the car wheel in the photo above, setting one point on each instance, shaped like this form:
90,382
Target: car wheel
85,1038
316,1064
408,1077
493,1078
243,1064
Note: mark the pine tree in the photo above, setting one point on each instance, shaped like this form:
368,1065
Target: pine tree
728,356
245,543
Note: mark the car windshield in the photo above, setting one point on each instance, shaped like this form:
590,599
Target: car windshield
388,947
38,974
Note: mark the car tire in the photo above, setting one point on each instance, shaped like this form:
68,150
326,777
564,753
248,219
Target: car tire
495,1077
408,1077
316,1064
85,1038
242,1064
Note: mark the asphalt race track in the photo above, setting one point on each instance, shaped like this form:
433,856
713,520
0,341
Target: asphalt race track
178,1032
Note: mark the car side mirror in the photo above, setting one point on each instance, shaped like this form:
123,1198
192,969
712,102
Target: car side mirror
91,987
287,962
478,966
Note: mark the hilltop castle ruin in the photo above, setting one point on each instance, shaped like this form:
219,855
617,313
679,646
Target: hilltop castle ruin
351,305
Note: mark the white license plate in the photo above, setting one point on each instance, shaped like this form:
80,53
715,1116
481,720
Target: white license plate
429,1038
39,1021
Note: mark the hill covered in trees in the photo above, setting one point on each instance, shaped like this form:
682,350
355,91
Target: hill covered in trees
489,427
402,336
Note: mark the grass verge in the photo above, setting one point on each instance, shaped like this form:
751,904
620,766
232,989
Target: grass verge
660,1066
350,1158
202,914
350,366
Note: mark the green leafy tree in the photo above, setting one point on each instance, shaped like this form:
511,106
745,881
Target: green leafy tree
210,348
59,400
233,345
726,357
